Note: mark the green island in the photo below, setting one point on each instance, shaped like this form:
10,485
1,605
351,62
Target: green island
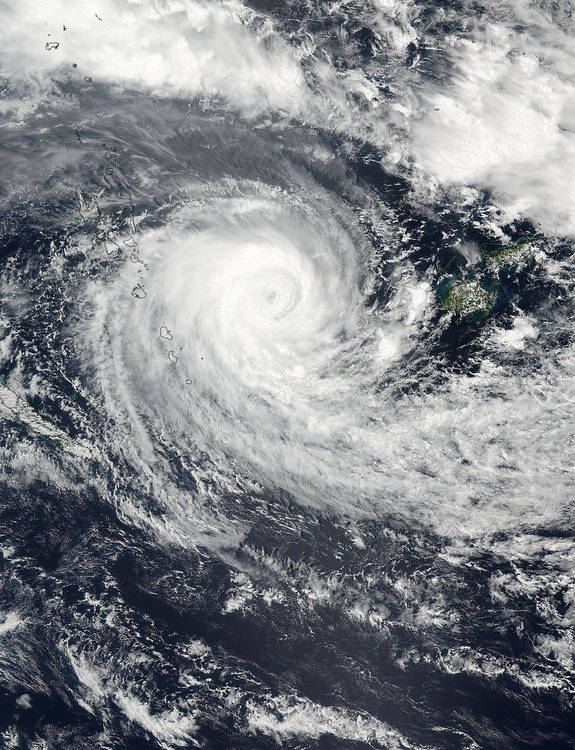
468,298
476,297
510,255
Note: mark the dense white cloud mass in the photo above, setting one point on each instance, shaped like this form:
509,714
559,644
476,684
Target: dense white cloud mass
170,48
505,119
497,113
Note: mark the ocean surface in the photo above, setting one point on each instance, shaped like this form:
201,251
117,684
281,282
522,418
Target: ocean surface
287,374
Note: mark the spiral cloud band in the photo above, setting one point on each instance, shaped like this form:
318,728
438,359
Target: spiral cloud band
287,373
246,340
